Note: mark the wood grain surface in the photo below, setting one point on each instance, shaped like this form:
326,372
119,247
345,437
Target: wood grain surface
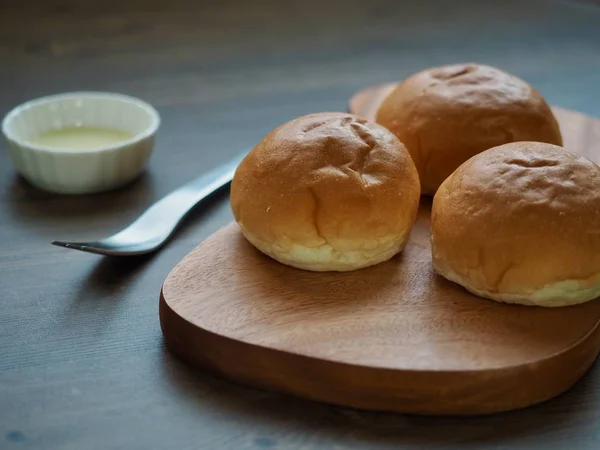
82,359
392,337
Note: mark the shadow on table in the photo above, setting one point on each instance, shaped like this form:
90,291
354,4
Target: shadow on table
28,203
347,427
99,296
112,273
107,283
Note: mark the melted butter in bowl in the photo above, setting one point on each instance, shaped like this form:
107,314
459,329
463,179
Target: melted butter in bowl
81,138
81,142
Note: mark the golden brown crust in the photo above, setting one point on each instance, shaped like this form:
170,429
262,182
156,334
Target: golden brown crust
329,182
521,223
447,114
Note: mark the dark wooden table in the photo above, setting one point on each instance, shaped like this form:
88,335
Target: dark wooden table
82,360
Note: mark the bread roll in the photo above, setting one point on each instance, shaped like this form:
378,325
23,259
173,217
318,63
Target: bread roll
520,223
327,192
447,114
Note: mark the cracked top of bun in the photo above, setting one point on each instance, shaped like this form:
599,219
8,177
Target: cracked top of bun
445,115
520,223
327,191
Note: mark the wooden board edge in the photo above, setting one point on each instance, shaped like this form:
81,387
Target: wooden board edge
376,389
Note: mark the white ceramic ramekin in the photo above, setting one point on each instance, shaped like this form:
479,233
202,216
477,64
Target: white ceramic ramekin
87,171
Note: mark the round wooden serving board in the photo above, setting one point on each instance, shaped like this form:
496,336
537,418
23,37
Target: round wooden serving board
394,337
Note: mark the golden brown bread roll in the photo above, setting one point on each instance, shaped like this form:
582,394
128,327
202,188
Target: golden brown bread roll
447,114
327,191
520,223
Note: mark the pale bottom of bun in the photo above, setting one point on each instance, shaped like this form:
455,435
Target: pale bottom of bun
561,293
325,258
